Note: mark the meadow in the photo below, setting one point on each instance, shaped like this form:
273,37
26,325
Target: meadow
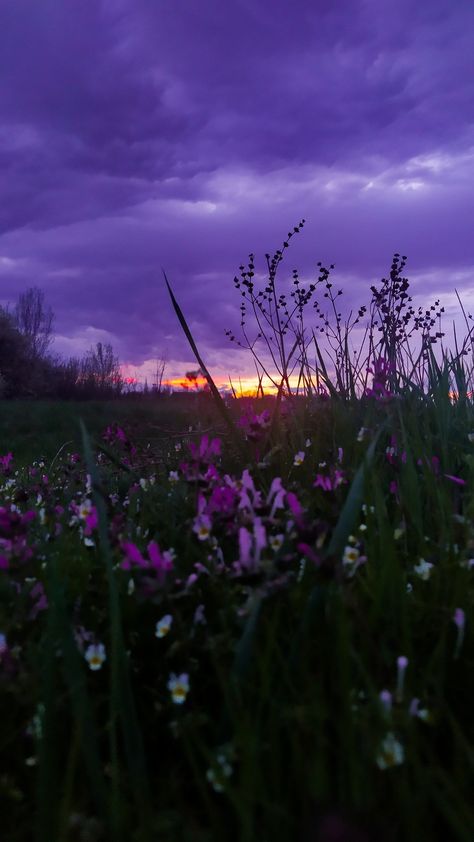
243,619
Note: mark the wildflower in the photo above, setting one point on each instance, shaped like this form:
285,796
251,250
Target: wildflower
130,587
459,619
422,713
276,542
301,570
216,775
143,483
178,685
386,698
329,482
351,555
402,663
456,480
423,569
177,447
307,443
202,527
3,645
391,752
95,655
163,626
5,461
199,618
173,476
299,458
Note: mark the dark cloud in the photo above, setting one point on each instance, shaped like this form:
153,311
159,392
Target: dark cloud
140,134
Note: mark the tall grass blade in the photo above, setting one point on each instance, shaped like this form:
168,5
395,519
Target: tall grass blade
214,390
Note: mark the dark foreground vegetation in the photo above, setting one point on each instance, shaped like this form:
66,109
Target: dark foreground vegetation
250,624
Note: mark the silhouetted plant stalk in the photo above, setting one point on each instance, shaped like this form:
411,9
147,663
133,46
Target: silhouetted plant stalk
396,347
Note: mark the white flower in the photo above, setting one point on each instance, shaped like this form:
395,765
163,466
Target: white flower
144,484
276,542
202,527
299,458
351,555
307,443
173,476
95,655
178,685
163,626
423,569
391,752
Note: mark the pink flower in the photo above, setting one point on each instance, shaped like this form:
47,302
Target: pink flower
330,482
457,480
5,461
92,521
133,556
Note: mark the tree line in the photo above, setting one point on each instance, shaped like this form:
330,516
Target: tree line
29,370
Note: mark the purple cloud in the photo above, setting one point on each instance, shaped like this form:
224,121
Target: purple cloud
144,134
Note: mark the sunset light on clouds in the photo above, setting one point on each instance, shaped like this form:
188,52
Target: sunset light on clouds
140,134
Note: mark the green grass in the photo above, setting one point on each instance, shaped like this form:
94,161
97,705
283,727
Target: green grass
286,672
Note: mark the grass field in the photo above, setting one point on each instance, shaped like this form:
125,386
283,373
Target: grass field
246,620
265,638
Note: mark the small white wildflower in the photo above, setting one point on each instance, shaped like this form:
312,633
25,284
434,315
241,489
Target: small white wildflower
95,656
299,458
363,527
301,570
202,527
178,685
391,752
351,555
409,587
163,626
173,476
216,777
423,569
144,483
276,541
307,443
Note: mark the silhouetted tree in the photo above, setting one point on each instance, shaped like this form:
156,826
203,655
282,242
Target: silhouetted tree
100,371
34,321
15,370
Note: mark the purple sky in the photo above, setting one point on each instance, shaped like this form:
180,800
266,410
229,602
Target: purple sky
186,134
